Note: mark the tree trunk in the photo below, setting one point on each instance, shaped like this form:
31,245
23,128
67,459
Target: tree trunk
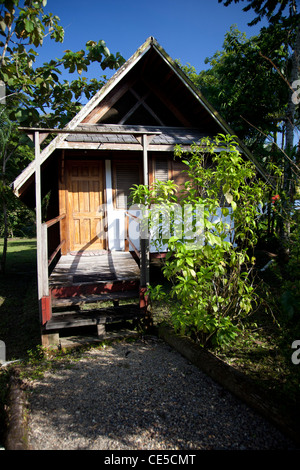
4,207
5,236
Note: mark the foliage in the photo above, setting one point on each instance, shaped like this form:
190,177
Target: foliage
37,95
20,219
15,219
254,85
284,33
273,10
239,82
39,90
212,284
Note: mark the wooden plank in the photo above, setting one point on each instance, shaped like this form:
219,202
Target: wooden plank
98,112
55,252
39,234
88,131
144,263
144,242
44,260
53,221
122,264
119,146
85,299
74,319
46,309
62,195
145,160
67,291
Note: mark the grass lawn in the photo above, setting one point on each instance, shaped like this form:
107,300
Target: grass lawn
19,319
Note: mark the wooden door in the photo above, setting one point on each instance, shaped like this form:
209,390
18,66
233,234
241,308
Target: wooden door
86,205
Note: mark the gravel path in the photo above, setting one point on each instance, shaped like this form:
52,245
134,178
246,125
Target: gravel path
141,396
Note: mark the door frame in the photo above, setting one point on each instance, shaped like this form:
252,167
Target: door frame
64,197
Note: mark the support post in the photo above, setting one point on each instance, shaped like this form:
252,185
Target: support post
38,215
41,242
144,262
144,242
145,159
144,247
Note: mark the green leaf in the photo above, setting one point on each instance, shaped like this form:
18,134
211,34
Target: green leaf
225,211
226,188
2,25
189,261
29,26
228,197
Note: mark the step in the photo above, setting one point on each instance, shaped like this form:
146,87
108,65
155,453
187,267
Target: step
59,292
92,298
75,318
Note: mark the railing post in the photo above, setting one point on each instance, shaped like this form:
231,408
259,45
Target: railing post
38,214
144,242
46,310
144,262
41,242
44,250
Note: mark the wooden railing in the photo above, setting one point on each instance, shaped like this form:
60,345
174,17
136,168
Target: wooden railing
48,224
136,250
45,259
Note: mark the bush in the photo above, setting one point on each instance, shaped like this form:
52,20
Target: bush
212,284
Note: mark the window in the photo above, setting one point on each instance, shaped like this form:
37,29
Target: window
161,170
126,174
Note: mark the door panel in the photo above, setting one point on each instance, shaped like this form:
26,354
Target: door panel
85,198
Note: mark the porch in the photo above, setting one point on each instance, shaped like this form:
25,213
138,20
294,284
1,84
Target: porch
91,288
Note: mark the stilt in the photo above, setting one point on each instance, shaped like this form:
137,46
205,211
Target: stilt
50,339
147,320
101,330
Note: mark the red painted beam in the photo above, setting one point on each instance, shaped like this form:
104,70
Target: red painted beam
144,299
92,289
46,309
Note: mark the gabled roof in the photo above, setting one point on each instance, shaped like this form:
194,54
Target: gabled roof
168,83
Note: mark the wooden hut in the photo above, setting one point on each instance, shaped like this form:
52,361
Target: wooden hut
124,135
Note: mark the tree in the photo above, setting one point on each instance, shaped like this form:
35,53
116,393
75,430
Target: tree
284,18
36,95
40,94
243,86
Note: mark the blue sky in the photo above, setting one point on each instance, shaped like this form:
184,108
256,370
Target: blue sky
189,30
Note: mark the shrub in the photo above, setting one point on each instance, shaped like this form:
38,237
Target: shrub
212,287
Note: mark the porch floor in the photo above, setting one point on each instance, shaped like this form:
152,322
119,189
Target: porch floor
93,267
